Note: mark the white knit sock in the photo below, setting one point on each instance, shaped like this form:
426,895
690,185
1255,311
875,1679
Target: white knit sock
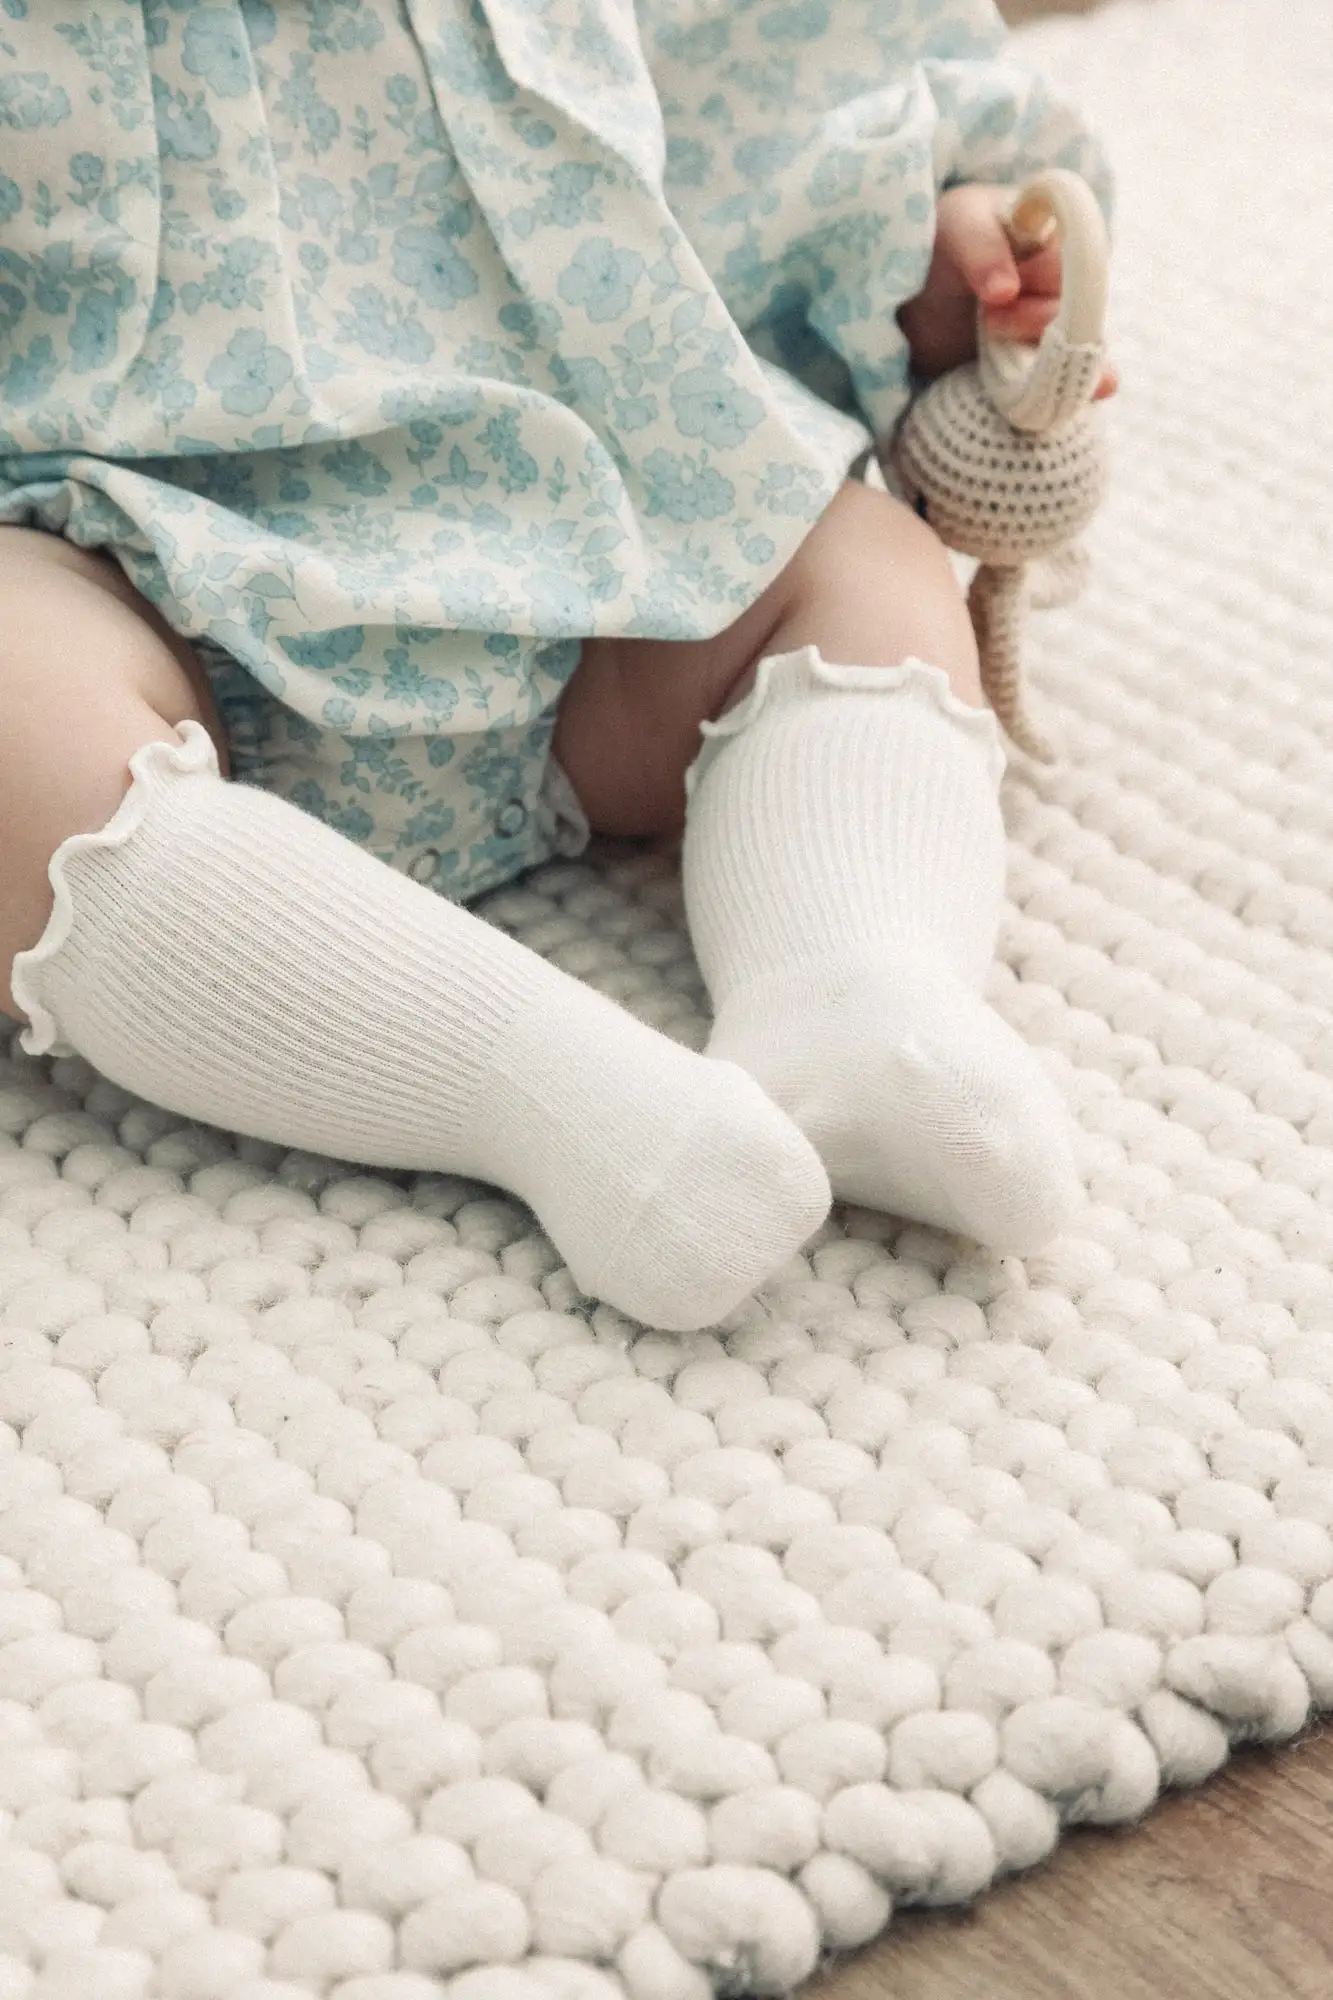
844,869
229,957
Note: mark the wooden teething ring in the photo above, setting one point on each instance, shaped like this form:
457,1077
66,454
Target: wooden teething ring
1045,390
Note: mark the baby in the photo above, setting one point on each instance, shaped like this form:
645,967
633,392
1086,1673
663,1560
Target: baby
439,417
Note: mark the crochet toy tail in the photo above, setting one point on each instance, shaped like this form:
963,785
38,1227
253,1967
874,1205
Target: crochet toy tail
996,601
1059,578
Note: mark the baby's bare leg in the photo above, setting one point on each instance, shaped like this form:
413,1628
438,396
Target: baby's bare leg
844,864
871,583
88,674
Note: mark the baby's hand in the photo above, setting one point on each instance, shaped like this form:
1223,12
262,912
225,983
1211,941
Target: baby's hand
973,261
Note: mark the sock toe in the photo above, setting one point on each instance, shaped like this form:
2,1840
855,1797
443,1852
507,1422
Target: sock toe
739,1195
994,1158
1021,1186
921,1101
989,1151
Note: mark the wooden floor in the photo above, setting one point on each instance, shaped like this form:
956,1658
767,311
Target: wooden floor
1015,11
1221,1894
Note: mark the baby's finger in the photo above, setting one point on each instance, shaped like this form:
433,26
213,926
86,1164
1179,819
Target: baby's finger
970,226
1026,319
1043,272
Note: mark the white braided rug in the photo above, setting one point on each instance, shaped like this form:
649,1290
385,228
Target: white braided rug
374,1624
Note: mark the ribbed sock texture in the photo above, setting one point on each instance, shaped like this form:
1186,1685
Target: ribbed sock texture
230,958
844,870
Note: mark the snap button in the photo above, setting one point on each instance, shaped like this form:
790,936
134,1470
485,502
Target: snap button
511,819
423,866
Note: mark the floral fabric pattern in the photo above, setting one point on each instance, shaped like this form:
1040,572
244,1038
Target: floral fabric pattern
393,347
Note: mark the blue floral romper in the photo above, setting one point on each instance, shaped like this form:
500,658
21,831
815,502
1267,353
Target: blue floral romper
393,347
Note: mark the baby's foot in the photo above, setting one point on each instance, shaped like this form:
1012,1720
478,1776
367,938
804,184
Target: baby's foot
918,1098
670,1183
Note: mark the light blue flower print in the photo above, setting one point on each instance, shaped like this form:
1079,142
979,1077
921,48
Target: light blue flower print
319,201
13,299
758,549
30,100
377,343
470,66
530,325
227,204
496,772
358,246
236,281
249,373
164,381
326,650
426,261
437,185
109,48
402,93
534,132
348,817
836,178
343,25
299,102
561,604
698,45
427,828
93,331
571,198
87,172
788,490
261,21
759,158
357,469
636,413
585,379
800,21
688,162
601,279
385,327
685,489
709,403
31,375
500,437
375,764
217,49
406,685
185,129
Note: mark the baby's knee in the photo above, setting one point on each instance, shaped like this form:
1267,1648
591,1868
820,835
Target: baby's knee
866,533
87,677
873,584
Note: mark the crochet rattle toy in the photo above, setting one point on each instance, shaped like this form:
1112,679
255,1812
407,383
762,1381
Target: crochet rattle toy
1006,457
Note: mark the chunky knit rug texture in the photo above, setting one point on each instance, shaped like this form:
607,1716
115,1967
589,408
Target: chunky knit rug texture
381,1621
